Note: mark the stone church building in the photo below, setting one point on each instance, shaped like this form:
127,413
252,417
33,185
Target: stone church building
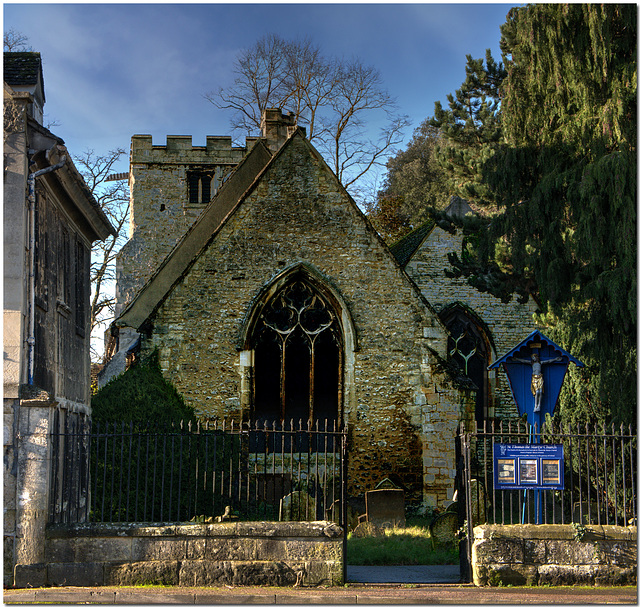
270,297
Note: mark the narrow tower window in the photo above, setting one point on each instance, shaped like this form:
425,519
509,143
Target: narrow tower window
199,187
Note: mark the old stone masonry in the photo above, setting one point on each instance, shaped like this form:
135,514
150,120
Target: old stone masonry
270,297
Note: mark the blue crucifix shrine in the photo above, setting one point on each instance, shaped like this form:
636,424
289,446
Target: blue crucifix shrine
535,368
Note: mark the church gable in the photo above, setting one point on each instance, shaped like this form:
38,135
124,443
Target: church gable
481,327
298,213
297,309
301,211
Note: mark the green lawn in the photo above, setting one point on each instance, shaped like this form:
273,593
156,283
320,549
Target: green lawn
407,546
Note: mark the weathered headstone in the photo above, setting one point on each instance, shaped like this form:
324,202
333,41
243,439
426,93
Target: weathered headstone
478,502
298,506
385,507
444,529
367,529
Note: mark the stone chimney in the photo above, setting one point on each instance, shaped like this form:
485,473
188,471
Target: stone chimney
277,127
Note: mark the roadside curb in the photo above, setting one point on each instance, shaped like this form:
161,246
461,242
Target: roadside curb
353,594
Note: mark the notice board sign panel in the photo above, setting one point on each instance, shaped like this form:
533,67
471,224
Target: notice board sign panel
528,466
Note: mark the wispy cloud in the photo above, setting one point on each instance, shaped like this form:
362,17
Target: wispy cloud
112,70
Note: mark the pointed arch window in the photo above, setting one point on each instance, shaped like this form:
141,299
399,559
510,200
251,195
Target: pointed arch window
467,345
297,344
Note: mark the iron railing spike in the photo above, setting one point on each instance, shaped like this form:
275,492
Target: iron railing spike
609,441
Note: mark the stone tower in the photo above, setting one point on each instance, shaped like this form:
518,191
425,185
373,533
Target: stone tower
169,185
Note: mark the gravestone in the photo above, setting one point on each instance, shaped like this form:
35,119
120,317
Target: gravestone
297,506
367,529
385,507
444,529
478,502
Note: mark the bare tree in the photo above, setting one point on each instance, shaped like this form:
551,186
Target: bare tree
15,42
335,99
113,198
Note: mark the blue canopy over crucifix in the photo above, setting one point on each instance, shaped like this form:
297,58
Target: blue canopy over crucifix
519,366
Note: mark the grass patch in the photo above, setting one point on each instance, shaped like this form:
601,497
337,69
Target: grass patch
152,585
399,546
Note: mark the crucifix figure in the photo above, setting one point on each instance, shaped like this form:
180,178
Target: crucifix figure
537,383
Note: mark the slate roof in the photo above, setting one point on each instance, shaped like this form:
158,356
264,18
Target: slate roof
23,69
404,248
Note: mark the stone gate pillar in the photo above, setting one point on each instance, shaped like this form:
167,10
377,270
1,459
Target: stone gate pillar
32,486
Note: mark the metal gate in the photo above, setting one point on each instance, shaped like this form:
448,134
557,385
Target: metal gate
598,470
462,487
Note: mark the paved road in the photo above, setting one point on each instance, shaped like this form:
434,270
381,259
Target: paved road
431,594
418,574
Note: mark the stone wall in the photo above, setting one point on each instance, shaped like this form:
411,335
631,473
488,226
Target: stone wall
400,406
508,323
11,407
260,553
554,555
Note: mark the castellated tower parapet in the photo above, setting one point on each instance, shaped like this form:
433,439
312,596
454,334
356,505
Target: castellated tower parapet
170,185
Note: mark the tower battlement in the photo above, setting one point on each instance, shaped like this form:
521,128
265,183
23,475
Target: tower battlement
180,149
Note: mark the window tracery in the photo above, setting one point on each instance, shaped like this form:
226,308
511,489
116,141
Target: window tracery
467,347
298,357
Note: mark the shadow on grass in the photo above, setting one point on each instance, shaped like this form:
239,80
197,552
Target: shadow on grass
410,545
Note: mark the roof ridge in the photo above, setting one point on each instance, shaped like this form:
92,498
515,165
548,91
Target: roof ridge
404,248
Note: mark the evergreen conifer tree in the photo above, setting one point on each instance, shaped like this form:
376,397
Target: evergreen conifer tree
470,127
558,158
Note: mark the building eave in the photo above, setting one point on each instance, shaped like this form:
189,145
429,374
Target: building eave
68,180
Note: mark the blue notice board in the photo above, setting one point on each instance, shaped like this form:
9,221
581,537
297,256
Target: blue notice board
528,466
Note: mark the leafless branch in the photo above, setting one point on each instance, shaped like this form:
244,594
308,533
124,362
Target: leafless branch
113,199
337,101
14,41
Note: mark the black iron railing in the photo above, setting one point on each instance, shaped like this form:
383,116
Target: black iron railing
599,469
126,472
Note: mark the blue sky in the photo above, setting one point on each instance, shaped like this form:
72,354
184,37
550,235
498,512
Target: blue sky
114,70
